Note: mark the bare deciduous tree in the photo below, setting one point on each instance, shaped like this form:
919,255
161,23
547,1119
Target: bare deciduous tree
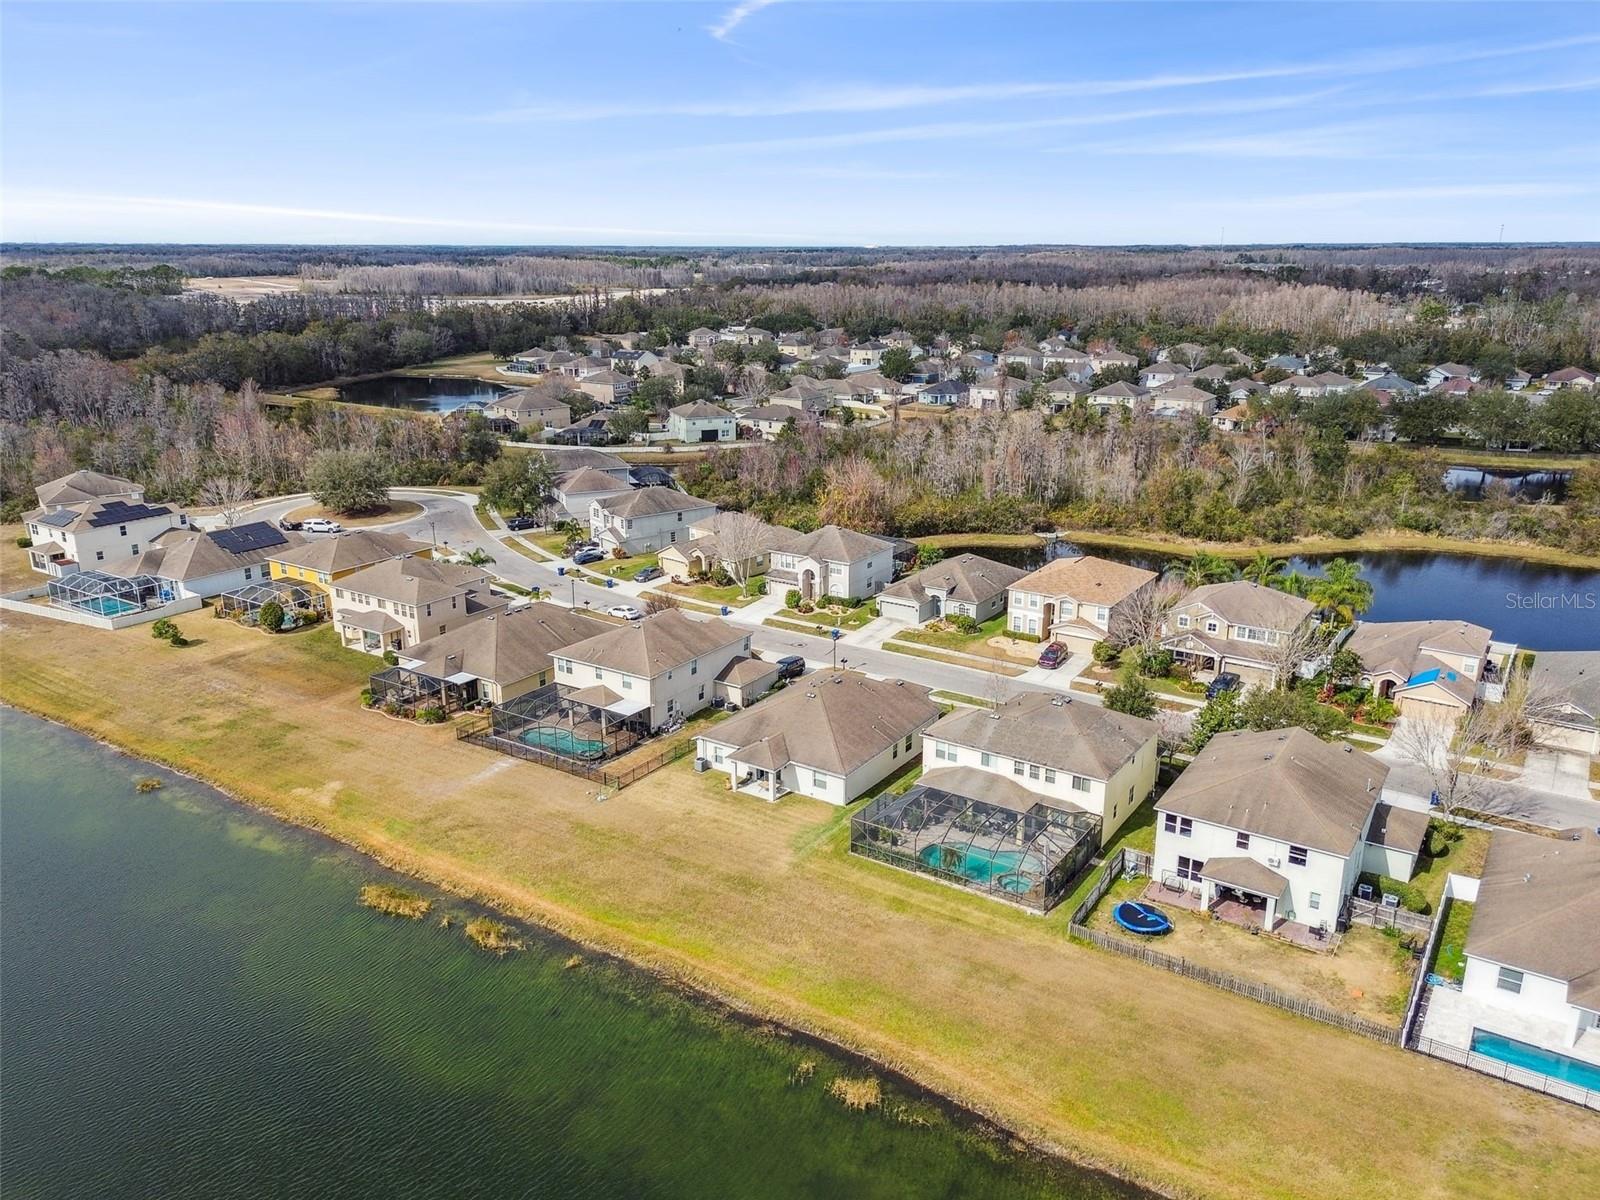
228,494
1141,621
1456,754
740,538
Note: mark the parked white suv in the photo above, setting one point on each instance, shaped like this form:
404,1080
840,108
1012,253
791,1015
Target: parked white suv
322,525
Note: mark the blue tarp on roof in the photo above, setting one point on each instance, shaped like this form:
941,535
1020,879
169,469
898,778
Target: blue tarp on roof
1431,676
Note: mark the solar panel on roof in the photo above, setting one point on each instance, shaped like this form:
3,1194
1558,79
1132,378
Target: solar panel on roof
59,519
258,535
120,512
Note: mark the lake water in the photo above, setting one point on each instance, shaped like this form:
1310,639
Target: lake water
431,394
195,1005
1536,606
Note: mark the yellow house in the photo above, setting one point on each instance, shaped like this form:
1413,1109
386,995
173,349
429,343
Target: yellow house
324,560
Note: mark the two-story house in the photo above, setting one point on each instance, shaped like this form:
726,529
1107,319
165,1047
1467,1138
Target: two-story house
402,601
699,421
505,655
86,521
652,671
324,560
830,737
1239,628
1433,669
1075,600
1274,823
651,518
833,561
1056,747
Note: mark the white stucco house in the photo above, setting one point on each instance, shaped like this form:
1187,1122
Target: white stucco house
649,519
1277,821
699,421
827,736
191,562
86,521
654,670
833,561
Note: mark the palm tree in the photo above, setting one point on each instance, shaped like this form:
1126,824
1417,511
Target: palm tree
1202,568
1265,570
1296,583
1341,590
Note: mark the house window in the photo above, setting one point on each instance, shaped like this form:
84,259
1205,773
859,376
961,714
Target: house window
627,684
598,674
122,531
1049,774
1211,626
985,759
1316,899
818,779
694,667
1190,868
1033,771
1080,784
1183,622
99,556
443,628
1241,841
1173,823
1018,767
716,754
1297,856
1510,980
909,736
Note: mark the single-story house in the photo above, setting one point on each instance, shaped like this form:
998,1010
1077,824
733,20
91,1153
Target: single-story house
967,585
197,563
830,737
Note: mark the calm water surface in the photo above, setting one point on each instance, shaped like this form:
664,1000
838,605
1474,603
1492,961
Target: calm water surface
195,1006
438,394
1536,606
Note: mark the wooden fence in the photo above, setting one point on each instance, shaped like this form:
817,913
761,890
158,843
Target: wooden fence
1385,916
1126,862
479,732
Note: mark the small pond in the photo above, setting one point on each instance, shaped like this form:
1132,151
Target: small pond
1475,483
433,393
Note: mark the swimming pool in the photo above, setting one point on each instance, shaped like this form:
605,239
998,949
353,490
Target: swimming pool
563,741
998,868
106,606
1535,1058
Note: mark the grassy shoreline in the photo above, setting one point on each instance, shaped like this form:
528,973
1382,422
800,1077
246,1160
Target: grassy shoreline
996,1009
1368,543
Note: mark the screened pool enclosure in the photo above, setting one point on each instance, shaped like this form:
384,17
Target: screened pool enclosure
245,603
588,724
1014,846
109,595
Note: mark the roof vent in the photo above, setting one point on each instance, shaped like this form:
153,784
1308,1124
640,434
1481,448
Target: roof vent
811,695
1348,748
1266,758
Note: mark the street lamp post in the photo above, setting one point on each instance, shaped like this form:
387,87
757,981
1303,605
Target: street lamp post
833,645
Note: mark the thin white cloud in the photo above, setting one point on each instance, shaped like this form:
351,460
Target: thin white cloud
736,16
25,206
868,98
1353,140
1537,87
1423,192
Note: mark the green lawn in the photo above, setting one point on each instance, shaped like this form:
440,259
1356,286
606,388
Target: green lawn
624,568
1138,832
894,647
1463,857
849,618
709,593
970,643
1450,956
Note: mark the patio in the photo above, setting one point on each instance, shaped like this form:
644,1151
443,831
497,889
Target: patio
1246,913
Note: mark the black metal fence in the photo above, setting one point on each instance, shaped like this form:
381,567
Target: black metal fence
1535,1081
480,732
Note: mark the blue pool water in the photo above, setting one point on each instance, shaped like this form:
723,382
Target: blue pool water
106,606
1532,1058
563,741
996,867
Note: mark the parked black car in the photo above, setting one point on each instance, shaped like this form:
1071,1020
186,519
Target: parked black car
519,523
285,523
791,667
1226,682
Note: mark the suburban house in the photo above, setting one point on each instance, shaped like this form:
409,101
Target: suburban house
967,585
506,654
648,519
999,392
607,387
577,491
801,398
87,520
1102,358
833,561
537,407
769,420
1075,600
652,671
324,560
1240,628
1271,828
1183,400
190,562
1162,373
1443,372
830,737
1532,960
402,601
744,681
699,421
1428,668
1572,679
710,545
701,339
1056,748
948,392
1118,395
1571,377
563,459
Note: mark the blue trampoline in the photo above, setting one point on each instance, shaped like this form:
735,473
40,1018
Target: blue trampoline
1144,919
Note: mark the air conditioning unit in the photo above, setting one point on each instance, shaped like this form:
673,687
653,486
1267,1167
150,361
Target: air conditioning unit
701,765
1390,900
1274,862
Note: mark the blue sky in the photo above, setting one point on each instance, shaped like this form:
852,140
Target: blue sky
794,122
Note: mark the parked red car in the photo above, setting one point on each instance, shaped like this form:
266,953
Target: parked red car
1053,655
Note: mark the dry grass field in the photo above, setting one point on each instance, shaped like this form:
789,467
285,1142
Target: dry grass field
1162,1078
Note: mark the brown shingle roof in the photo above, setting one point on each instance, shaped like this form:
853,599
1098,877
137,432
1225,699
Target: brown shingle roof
415,580
1241,602
1086,579
833,723
1051,730
505,647
1538,909
347,551
968,577
653,500
659,643
1284,784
